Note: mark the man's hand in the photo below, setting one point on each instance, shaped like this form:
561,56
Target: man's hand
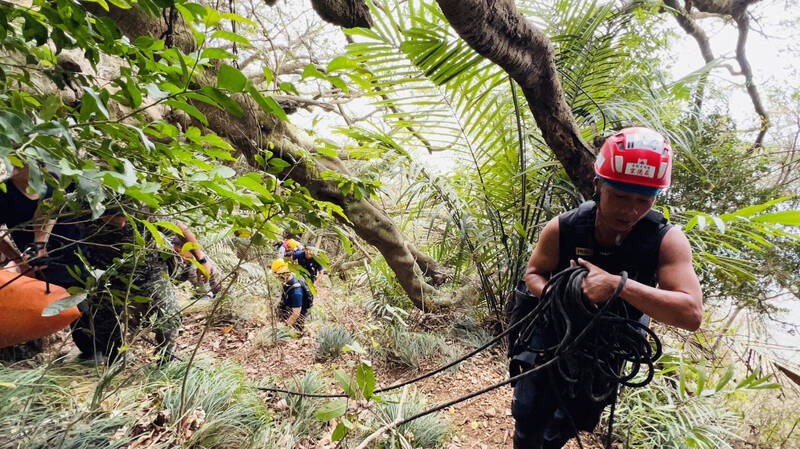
598,285
209,271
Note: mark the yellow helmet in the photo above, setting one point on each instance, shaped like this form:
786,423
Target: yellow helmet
292,244
279,266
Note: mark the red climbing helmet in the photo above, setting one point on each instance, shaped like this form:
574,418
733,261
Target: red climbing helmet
638,156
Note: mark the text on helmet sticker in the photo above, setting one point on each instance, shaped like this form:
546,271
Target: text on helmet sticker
640,168
645,139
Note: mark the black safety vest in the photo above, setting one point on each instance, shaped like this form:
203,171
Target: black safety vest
637,255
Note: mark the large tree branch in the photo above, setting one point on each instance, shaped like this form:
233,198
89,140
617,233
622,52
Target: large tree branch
736,10
497,31
691,27
344,13
255,131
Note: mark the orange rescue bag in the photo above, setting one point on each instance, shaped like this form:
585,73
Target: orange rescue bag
21,305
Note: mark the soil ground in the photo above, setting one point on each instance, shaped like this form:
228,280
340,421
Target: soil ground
479,423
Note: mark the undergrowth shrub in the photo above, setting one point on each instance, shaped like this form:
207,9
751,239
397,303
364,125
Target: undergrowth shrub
269,336
470,332
413,349
39,409
230,412
330,341
302,409
429,432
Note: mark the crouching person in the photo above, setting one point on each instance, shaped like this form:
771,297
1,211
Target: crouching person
134,291
296,297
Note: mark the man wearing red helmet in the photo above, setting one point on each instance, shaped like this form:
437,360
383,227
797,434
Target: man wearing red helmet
617,231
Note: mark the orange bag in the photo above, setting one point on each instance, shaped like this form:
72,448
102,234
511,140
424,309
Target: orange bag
21,305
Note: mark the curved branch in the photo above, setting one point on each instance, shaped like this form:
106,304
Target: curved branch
499,32
344,13
743,23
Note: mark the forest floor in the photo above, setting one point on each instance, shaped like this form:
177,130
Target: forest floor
480,423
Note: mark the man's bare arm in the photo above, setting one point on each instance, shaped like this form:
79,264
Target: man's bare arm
294,316
544,258
678,300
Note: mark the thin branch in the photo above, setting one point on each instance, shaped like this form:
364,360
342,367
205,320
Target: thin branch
743,23
397,420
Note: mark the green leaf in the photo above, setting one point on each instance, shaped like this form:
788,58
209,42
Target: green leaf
339,83
749,211
311,71
341,430
155,233
267,104
331,410
365,377
63,304
237,18
227,103
345,381
171,226
92,103
725,378
189,109
231,78
268,75
254,182
216,53
228,36
288,88
50,106
342,63
786,218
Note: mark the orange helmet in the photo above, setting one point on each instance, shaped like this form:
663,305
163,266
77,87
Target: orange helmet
638,156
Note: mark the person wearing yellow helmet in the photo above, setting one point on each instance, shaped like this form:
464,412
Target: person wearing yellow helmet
288,247
296,297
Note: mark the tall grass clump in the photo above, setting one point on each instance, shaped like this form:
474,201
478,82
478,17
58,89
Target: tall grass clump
429,432
302,409
413,349
330,341
267,337
41,409
228,411
468,331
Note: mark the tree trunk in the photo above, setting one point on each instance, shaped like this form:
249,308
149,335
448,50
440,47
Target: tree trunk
255,131
497,31
344,13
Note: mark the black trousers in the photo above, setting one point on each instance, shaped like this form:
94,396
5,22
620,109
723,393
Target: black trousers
546,417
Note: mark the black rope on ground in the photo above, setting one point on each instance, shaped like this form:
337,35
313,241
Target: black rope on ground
461,359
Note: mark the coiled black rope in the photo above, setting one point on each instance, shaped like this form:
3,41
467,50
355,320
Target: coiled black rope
596,364
576,357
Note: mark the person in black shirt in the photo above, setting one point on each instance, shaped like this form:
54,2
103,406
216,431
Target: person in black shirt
32,239
43,238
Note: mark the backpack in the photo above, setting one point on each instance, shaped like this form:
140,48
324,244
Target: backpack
308,297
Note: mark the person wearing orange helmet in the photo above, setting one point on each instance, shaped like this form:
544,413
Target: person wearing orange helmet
618,231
